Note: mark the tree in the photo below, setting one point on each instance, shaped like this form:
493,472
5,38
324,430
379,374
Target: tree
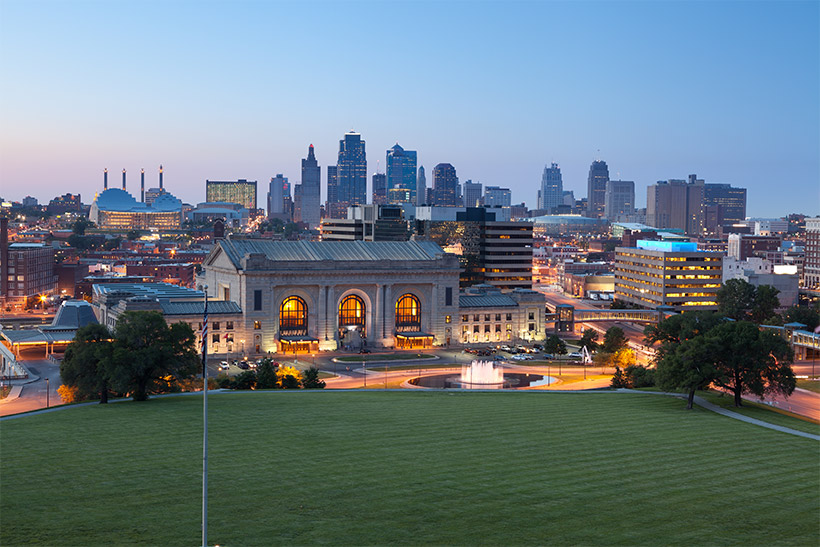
266,374
735,299
146,349
555,346
80,225
614,340
751,360
677,328
687,365
245,380
765,302
311,379
288,377
809,316
590,340
86,361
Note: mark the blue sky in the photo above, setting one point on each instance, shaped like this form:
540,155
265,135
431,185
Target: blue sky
219,90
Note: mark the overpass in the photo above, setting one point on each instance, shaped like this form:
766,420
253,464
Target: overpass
565,316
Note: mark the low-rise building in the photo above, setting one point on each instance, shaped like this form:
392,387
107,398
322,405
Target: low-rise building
488,316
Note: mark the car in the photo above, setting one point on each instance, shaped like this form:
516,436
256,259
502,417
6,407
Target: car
364,350
243,365
574,355
224,365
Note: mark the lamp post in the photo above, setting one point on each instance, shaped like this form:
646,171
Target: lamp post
48,385
205,422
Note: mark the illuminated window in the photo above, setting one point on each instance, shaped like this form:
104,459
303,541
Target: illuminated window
448,319
257,325
408,313
351,311
293,316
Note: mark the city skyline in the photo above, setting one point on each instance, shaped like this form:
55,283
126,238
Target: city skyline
734,99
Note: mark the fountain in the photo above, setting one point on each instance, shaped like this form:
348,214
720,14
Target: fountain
481,374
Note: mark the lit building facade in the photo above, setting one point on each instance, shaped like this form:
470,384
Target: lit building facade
551,194
239,191
445,183
351,171
811,263
116,209
306,296
596,188
401,170
667,273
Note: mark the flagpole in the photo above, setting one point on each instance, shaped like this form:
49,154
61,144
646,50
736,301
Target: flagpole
205,423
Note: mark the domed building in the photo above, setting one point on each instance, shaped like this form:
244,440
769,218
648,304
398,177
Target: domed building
117,209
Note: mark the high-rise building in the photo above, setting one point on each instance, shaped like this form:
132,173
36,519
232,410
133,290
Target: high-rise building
445,182
334,208
421,187
401,170
472,194
729,201
311,189
352,170
495,196
276,195
551,194
620,199
596,188
811,263
379,184
239,191
676,204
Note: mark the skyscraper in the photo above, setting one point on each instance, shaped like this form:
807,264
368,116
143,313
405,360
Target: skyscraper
472,194
352,170
276,195
552,188
311,189
596,188
730,200
620,198
444,185
421,187
676,204
333,208
401,170
495,196
379,184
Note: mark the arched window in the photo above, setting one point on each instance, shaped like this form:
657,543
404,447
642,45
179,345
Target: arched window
408,314
293,316
351,311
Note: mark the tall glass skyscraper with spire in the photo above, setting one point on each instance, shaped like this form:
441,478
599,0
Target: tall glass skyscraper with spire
351,171
551,194
401,170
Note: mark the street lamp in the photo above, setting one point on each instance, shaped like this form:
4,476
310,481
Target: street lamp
48,387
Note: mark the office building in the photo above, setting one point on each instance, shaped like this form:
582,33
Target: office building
620,199
239,191
351,171
401,170
728,202
551,194
811,261
596,188
743,246
668,273
368,223
421,187
676,204
311,190
379,184
276,195
472,194
65,203
495,196
445,184
26,271
487,315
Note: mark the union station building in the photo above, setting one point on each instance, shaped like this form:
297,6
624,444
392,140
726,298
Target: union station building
302,296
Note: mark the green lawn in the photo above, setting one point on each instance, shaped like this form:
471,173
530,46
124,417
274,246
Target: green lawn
760,412
384,357
414,467
811,385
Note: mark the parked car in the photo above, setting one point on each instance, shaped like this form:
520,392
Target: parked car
574,355
243,365
224,365
364,350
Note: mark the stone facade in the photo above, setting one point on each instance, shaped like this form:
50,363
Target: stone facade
265,277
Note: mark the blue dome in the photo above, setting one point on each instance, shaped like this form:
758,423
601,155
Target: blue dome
115,199
166,202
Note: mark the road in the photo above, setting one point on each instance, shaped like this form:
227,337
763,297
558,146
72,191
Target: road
33,395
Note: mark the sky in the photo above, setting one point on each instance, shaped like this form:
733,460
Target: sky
729,91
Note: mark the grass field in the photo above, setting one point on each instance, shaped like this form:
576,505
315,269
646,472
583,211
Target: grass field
811,385
370,468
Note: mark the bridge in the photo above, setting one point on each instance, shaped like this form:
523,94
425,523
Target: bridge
565,316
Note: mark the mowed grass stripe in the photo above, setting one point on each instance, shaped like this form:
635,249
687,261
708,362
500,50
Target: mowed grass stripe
407,468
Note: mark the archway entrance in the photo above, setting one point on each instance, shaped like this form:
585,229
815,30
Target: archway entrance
352,322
